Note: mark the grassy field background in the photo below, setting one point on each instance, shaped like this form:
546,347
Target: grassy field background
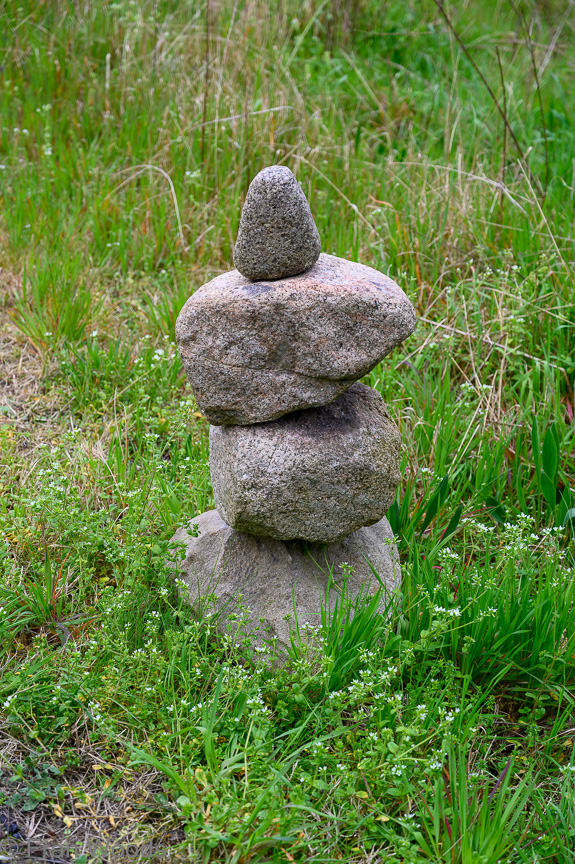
435,141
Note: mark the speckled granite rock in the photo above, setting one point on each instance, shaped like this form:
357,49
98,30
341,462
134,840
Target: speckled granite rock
317,474
277,236
269,575
254,351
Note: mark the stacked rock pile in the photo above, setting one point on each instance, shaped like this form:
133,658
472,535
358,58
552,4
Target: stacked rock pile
304,460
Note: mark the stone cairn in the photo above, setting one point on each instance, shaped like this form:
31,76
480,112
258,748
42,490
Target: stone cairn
304,460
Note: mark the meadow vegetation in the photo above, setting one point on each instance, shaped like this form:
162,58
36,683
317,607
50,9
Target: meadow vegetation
436,142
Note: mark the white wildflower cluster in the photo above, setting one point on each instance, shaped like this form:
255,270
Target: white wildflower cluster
409,655
369,685
262,650
256,707
347,569
516,535
409,819
311,652
521,536
8,702
54,487
366,656
485,580
57,697
358,690
454,612
447,716
395,703
478,527
447,557
468,387
550,542
488,612
93,706
435,763
148,649
421,712
113,600
157,358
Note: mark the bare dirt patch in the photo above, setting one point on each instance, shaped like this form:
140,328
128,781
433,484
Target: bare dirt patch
94,808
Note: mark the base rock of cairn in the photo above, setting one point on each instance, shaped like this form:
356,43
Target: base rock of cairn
264,576
304,461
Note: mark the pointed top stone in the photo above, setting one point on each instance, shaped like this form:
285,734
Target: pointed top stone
277,235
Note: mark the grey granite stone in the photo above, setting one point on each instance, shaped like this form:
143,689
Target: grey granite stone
269,574
277,236
254,351
316,475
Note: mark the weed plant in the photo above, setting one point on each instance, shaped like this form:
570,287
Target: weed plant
435,142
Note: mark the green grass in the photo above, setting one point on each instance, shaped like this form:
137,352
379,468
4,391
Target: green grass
434,142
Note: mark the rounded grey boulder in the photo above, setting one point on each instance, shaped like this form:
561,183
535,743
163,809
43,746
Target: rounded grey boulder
254,351
229,572
316,475
277,236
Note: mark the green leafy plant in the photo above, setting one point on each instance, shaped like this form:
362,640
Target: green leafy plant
461,822
557,817
56,305
117,372
349,625
408,520
41,601
34,783
524,634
